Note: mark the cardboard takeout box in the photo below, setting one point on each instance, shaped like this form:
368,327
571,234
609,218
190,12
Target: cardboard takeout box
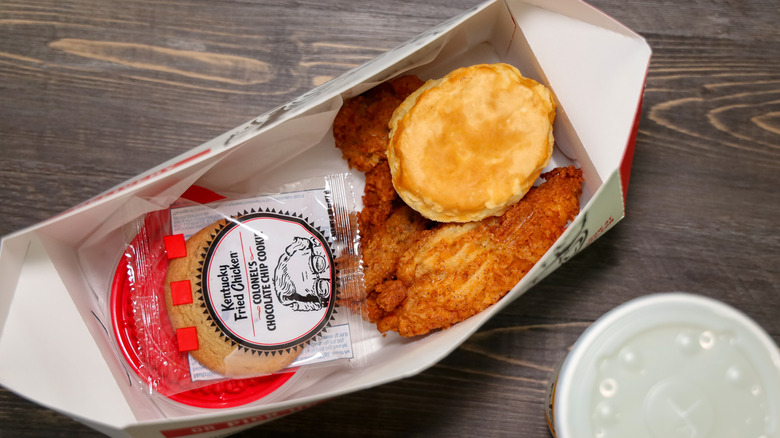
64,357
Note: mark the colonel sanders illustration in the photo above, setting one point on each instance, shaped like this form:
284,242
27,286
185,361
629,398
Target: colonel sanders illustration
298,277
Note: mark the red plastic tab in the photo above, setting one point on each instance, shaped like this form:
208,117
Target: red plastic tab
175,247
181,292
187,338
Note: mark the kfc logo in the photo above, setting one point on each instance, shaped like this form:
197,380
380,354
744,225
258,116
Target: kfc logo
270,281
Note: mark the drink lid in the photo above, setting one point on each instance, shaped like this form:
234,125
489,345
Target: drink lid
670,365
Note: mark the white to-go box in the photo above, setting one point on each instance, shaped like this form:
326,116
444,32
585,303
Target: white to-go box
62,355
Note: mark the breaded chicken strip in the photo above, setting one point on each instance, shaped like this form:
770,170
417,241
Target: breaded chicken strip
381,257
422,275
379,199
360,128
453,271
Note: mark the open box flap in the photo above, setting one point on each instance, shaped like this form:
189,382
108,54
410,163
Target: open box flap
55,362
610,62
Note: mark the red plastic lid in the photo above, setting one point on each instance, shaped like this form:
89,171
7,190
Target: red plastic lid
169,372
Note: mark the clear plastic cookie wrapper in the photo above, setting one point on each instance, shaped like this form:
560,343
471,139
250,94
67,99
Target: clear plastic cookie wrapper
668,365
238,294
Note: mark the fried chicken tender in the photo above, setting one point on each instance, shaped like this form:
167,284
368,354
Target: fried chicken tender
450,272
422,275
383,253
361,125
388,227
379,199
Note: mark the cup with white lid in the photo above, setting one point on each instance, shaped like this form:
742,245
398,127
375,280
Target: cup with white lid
671,365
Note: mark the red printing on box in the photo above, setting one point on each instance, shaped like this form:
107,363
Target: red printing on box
174,246
181,292
187,338
628,155
231,424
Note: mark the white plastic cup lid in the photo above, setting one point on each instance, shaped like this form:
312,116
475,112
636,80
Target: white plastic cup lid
671,365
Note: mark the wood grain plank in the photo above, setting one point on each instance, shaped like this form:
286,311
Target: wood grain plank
94,92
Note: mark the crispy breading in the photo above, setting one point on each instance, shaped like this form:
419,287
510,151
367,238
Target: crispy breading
385,248
422,275
453,271
361,125
379,197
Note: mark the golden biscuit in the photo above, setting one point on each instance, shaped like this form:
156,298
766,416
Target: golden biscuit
471,144
214,351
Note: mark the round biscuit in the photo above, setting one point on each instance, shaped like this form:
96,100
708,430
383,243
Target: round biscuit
471,144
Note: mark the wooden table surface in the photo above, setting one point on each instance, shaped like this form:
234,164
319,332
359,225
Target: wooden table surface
93,92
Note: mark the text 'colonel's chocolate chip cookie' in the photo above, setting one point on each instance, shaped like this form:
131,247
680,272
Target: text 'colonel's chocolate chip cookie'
471,144
248,292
